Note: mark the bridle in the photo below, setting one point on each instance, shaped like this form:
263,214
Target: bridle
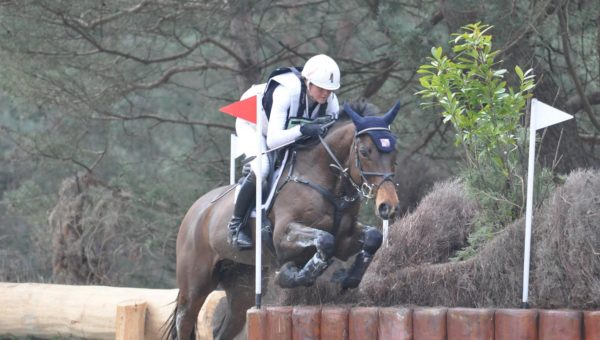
365,189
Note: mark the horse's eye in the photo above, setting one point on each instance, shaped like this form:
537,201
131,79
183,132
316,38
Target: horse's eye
364,151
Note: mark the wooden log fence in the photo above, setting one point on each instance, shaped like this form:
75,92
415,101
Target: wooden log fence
373,323
100,312
94,312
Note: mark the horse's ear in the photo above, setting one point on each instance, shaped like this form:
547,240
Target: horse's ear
356,118
391,114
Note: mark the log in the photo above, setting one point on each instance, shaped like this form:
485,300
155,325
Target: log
206,315
131,320
47,310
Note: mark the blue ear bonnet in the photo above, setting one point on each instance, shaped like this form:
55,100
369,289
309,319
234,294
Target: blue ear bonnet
376,127
382,138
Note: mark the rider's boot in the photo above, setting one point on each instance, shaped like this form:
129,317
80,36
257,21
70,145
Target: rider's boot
238,236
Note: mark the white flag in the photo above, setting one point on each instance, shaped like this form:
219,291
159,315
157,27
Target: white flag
543,115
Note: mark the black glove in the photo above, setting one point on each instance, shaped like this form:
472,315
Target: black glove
312,129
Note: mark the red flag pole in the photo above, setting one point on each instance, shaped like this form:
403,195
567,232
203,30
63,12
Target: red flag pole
250,109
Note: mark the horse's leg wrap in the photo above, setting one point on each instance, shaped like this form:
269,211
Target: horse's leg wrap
238,236
372,239
289,275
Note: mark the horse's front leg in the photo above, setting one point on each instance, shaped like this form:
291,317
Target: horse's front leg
296,241
368,240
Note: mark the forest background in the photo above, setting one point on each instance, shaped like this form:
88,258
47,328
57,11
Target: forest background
109,122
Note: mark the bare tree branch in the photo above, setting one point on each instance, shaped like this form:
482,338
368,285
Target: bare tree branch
562,18
575,104
590,139
114,116
112,17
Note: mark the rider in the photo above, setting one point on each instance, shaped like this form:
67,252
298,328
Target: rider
298,98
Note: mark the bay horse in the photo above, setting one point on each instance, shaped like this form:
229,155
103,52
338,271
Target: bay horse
313,218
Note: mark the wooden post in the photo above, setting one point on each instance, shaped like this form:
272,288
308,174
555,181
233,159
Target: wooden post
515,324
395,323
257,324
429,323
470,323
560,325
306,323
131,320
334,323
363,323
279,323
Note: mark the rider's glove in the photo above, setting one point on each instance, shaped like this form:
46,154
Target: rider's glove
312,129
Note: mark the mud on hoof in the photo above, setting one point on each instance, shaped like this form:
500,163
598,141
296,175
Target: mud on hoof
289,277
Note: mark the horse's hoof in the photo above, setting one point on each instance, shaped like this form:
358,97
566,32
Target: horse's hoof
339,275
350,282
346,281
286,277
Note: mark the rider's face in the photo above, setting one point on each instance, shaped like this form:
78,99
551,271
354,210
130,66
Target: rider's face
318,94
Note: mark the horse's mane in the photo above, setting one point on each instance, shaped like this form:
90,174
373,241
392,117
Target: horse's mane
360,106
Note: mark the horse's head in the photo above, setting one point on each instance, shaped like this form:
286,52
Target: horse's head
374,158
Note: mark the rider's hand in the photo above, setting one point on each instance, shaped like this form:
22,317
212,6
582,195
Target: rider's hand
312,129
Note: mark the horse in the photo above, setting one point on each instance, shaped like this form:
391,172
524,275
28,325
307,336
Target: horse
313,220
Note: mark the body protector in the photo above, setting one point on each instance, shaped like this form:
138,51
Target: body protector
286,101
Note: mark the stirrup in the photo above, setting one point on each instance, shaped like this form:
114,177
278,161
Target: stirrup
243,240
237,238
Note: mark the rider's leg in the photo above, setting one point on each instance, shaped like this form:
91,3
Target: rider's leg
238,235
290,276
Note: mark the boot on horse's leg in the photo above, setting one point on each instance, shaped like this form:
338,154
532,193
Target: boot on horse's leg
290,276
238,236
350,278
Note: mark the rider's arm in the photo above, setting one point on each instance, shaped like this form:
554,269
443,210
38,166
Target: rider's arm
277,134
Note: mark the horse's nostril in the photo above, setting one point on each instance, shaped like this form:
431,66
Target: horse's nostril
384,210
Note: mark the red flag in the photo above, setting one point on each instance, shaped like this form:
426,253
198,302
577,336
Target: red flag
244,109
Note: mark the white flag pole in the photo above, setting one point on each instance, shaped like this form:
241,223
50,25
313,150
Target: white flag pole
233,154
542,115
528,212
386,227
258,220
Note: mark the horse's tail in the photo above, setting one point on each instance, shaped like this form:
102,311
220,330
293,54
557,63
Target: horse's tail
169,329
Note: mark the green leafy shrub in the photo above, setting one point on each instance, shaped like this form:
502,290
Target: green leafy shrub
486,113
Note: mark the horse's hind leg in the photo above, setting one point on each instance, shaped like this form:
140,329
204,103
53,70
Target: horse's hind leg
238,282
196,280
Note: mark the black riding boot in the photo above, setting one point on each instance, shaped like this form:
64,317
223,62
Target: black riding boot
238,235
